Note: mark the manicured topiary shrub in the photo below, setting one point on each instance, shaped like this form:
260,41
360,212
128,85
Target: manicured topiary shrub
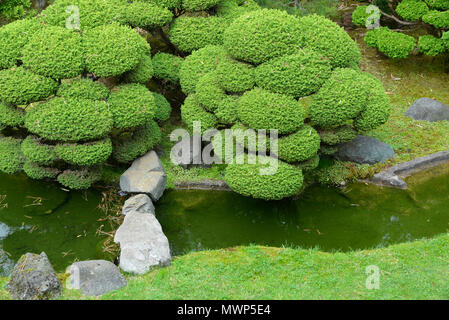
360,16
61,119
395,44
268,60
284,183
85,154
37,172
12,158
163,107
111,58
198,5
37,152
21,86
81,178
53,88
11,116
130,146
261,109
258,36
83,88
131,105
55,52
166,66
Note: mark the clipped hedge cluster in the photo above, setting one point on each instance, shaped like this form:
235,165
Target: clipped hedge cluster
66,122
398,45
252,81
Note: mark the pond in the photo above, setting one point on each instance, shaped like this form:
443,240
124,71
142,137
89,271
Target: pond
40,216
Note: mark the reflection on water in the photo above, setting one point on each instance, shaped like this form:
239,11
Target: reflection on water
361,216
38,216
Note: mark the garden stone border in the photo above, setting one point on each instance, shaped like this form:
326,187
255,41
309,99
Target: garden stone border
206,184
393,177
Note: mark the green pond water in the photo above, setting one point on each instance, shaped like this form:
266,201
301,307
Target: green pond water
40,216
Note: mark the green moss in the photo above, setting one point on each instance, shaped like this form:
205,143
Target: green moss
261,109
38,172
13,37
55,52
106,53
65,119
79,179
298,75
20,86
146,15
166,66
247,180
235,76
11,116
192,111
86,154
192,33
11,156
330,41
412,10
131,105
198,64
38,152
130,146
261,35
163,107
83,88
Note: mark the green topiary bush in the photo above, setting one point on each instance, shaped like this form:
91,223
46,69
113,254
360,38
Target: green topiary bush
142,73
360,16
198,5
55,52
268,60
60,119
11,116
37,172
264,34
163,107
247,180
299,75
12,158
262,109
20,86
131,105
111,58
83,88
166,66
431,46
396,45
78,179
412,10
37,152
84,154
146,15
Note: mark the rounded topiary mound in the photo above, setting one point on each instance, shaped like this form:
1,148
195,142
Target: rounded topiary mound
12,158
166,66
268,60
35,171
79,178
37,152
85,154
83,88
11,116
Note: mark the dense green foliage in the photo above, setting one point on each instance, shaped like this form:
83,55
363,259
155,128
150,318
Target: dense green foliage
252,82
35,171
163,107
83,88
11,116
395,44
79,178
12,158
166,66
37,152
86,154
143,72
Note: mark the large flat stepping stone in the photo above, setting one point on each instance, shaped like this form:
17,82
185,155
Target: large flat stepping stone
365,149
146,175
95,277
429,110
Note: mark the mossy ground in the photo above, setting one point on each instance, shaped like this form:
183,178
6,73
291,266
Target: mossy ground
416,270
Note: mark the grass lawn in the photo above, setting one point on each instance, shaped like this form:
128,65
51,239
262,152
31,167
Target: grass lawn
416,270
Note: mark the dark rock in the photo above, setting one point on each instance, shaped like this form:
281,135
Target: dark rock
95,277
33,278
365,150
429,110
146,175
